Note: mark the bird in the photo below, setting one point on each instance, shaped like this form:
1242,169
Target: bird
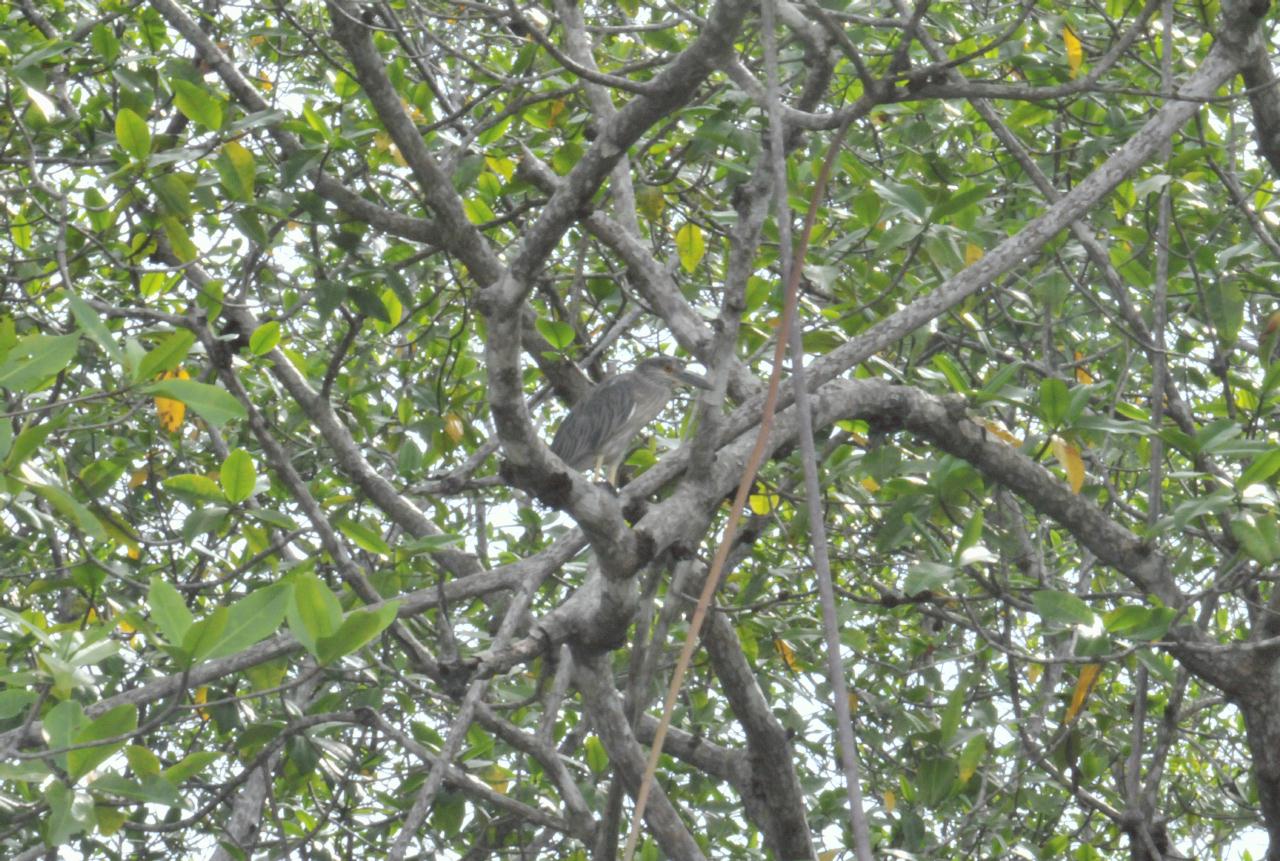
600,428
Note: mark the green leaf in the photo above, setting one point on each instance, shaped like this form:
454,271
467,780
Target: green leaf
690,246
36,358
358,628
105,44
75,512
265,338
29,441
597,758
70,812
971,757
430,544
60,725
936,778
169,611
961,200
109,819
133,134
953,711
253,618
143,762
208,519
1263,467
174,194
272,518
1258,537
149,790
1061,608
906,197
101,217
236,170
926,576
179,240
14,702
365,537
118,721
165,356
206,634
195,487
213,404
558,333
1225,303
238,476
951,370
1139,623
191,764
1055,400
197,104
88,320
314,612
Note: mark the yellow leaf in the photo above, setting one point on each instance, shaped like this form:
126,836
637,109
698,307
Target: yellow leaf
690,246
853,702
200,697
1033,672
502,166
498,779
554,112
125,627
453,427
972,254
1069,456
139,477
998,430
829,855
788,654
890,800
1084,684
650,201
171,412
1083,377
1075,52
109,819
870,484
382,143
763,502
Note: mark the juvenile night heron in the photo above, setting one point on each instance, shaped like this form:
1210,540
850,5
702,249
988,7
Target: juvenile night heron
599,430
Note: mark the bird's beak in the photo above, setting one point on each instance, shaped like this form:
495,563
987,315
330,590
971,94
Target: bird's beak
693,379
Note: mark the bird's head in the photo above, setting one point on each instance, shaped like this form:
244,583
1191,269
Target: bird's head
667,371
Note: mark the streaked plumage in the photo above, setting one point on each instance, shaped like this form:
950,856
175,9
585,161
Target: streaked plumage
600,428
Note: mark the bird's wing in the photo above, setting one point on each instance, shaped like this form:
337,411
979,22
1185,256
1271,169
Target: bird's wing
595,420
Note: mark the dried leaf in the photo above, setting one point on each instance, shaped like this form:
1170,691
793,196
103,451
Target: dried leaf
1075,52
1069,456
788,654
997,429
1083,377
1084,684
171,412
454,429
